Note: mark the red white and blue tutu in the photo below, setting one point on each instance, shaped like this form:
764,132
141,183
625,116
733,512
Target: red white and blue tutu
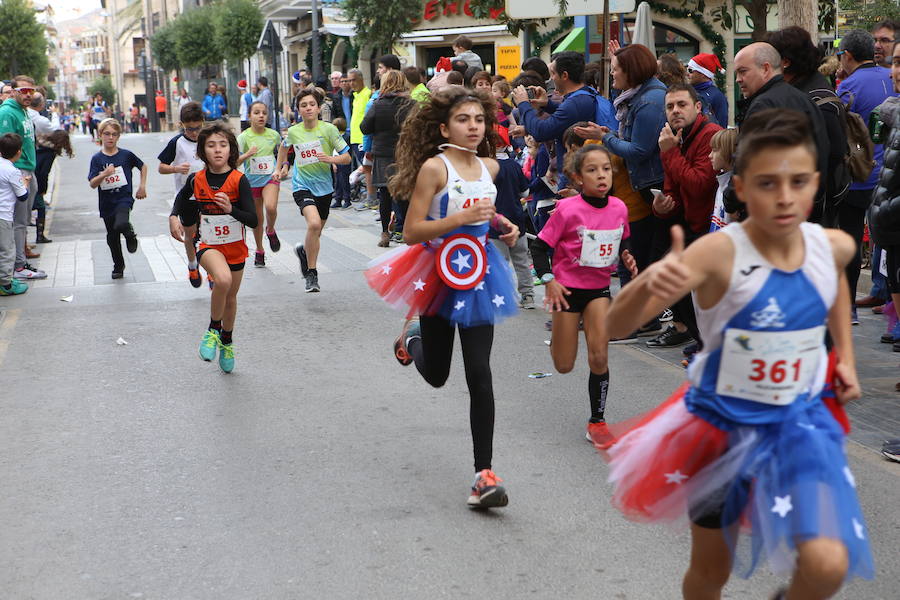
784,483
407,278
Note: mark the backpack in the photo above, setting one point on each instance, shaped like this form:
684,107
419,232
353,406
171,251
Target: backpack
604,114
860,156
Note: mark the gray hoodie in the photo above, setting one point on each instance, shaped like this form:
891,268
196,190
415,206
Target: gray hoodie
472,59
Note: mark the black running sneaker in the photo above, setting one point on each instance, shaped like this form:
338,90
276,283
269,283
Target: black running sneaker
131,242
274,242
300,251
670,338
312,282
259,259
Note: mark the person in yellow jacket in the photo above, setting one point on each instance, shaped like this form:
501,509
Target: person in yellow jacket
361,96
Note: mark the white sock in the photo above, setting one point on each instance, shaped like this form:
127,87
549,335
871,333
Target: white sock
192,265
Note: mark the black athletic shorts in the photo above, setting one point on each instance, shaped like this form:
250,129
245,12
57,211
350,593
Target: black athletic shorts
892,257
305,198
579,299
711,515
233,266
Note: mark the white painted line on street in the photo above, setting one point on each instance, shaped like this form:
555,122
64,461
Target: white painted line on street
359,240
161,270
84,264
6,326
65,265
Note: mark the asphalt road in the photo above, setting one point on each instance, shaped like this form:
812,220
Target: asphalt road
320,468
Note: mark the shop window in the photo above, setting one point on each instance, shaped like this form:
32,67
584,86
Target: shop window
484,51
668,39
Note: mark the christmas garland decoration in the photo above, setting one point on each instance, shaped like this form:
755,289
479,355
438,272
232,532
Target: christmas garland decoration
709,34
539,40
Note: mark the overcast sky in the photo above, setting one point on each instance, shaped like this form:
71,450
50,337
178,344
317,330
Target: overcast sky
63,10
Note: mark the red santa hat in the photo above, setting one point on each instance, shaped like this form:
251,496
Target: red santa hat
443,65
708,64
242,84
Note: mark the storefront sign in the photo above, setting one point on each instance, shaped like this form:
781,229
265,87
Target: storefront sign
509,59
435,8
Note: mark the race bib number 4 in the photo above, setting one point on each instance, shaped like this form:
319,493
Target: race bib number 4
769,367
463,194
114,181
216,230
262,165
308,153
600,247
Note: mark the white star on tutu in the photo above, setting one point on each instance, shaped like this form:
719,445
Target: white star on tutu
859,529
386,269
461,261
782,505
487,269
498,300
480,286
677,477
459,304
419,285
849,475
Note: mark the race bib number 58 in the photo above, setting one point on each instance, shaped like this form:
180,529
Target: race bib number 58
216,230
769,367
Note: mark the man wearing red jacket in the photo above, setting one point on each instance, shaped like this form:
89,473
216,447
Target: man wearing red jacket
689,192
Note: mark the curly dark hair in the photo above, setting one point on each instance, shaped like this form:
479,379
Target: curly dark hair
213,129
670,70
794,44
421,134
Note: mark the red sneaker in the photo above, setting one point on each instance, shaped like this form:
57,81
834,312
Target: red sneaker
599,435
486,493
401,353
194,277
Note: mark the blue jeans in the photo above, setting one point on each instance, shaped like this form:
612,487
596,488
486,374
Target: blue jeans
879,281
342,182
640,243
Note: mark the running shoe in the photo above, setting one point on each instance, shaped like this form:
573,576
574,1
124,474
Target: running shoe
397,237
335,204
670,338
312,282
300,251
29,272
274,242
666,315
690,349
347,204
259,259
854,318
486,493
891,450
118,273
527,302
131,242
653,328
226,357
631,338
209,345
599,435
194,277
410,330
13,288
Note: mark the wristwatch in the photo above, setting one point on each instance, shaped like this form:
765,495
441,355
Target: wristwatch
547,278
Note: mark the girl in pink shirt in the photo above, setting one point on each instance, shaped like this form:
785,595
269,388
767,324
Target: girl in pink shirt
588,235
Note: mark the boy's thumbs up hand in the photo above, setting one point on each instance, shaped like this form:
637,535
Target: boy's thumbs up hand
669,278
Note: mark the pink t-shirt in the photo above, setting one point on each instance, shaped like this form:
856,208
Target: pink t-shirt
585,241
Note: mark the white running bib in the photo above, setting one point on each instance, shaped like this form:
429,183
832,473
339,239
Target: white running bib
114,181
216,230
600,247
771,367
463,194
262,165
882,263
307,153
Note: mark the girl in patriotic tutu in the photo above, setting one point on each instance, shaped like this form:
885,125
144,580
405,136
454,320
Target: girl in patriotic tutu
748,443
449,277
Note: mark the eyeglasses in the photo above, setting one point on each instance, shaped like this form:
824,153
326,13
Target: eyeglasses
25,90
193,129
840,53
690,70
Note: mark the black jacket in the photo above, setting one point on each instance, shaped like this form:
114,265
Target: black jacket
837,174
383,122
777,93
337,110
884,212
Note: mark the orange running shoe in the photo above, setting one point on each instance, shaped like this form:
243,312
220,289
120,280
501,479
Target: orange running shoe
599,435
194,277
486,493
401,353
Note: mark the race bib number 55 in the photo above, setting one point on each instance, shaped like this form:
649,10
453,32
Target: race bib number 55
600,247
771,367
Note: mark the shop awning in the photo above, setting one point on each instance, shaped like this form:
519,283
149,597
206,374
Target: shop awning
576,41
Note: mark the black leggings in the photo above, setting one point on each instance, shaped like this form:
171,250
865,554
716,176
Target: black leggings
852,220
432,357
117,224
385,206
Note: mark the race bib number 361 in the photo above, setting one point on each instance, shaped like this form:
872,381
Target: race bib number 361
769,367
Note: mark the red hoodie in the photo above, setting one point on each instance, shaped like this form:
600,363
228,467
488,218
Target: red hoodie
689,176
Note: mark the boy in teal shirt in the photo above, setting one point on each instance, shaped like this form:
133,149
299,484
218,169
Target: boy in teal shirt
315,144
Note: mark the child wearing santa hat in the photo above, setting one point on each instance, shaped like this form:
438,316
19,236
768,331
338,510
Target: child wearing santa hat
702,70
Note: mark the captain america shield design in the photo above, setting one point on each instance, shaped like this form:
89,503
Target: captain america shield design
461,261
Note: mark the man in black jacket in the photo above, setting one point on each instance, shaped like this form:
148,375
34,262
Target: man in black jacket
757,70
342,100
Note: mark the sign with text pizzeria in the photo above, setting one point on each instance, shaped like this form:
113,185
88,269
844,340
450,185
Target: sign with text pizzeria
437,8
